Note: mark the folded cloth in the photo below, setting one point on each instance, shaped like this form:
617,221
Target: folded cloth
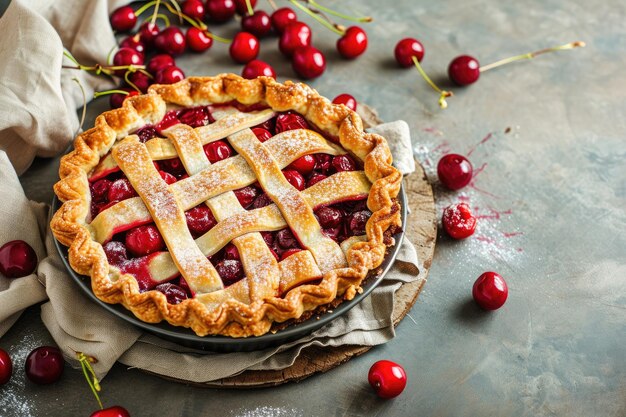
38,102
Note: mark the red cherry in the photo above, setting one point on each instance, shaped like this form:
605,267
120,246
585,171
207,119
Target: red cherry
167,177
261,134
100,189
454,171
230,271
258,24
288,253
134,42
44,365
262,200
246,195
304,165
283,17
295,178
257,68
216,151
343,163
353,43
290,121
169,75
144,240
387,378
146,133
323,162
231,252
332,232
406,49
6,367
294,36
244,48
121,190
198,40
195,116
315,178
347,100
220,11
171,41
458,221
115,252
242,7
286,239
490,291
358,221
308,62
115,411
329,217
193,9
123,19
140,80
159,62
117,99
17,259
148,31
173,293
464,70
126,57
200,220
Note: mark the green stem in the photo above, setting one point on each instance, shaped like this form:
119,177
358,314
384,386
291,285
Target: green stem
90,375
108,92
531,55
363,19
178,10
129,82
272,4
442,93
155,12
145,7
316,17
82,117
249,6
69,56
198,25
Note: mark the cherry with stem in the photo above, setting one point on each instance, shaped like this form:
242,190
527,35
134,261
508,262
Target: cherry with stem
443,94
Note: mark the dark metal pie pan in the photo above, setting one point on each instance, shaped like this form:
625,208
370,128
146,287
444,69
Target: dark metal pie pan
188,338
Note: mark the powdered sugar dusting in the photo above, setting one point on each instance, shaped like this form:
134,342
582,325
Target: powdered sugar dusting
269,411
14,401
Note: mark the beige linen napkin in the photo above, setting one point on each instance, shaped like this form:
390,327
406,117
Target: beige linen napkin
37,104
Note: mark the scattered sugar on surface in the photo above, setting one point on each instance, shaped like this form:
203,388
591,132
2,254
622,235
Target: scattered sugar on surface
268,411
13,398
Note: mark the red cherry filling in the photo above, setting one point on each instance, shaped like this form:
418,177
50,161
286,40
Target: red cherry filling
120,189
262,200
230,271
290,121
146,133
169,120
167,177
343,163
100,190
304,165
144,240
329,217
288,253
286,239
323,162
358,220
115,252
200,220
458,221
315,178
295,179
173,293
217,151
17,259
172,166
231,252
195,117
246,195
261,134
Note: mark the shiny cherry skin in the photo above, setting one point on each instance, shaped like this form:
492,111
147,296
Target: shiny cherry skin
126,57
406,49
242,8
231,252
171,40
159,62
121,189
173,293
117,99
387,378
230,270
134,42
261,134
308,62
257,68
347,100
259,24
343,163
148,31
286,239
246,195
169,75
220,11
218,150
44,365
358,221
99,190
286,254
244,47
315,178
198,40
200,220
6,367
295,178
123,19
490,291
140,80
17,259
353,43
115,411
283,17
304,165
329,217
294,36
144,240
464,70
458,221
193,9
290,121
454,171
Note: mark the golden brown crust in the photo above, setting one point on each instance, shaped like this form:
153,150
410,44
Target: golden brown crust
231,318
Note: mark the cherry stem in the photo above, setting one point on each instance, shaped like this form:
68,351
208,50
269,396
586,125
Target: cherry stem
363,19
108,92
90,375
145,7
82,117
442,93
531,55
178,9
155,12
198,25
316,17
249,7
161,16
272,4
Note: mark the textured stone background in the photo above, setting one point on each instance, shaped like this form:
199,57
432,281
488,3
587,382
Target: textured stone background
551,196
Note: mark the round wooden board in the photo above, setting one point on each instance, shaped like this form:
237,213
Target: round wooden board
421,231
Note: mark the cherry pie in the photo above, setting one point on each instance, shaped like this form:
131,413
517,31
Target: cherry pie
226,205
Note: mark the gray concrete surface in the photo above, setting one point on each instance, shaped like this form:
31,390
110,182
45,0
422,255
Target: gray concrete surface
551,198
